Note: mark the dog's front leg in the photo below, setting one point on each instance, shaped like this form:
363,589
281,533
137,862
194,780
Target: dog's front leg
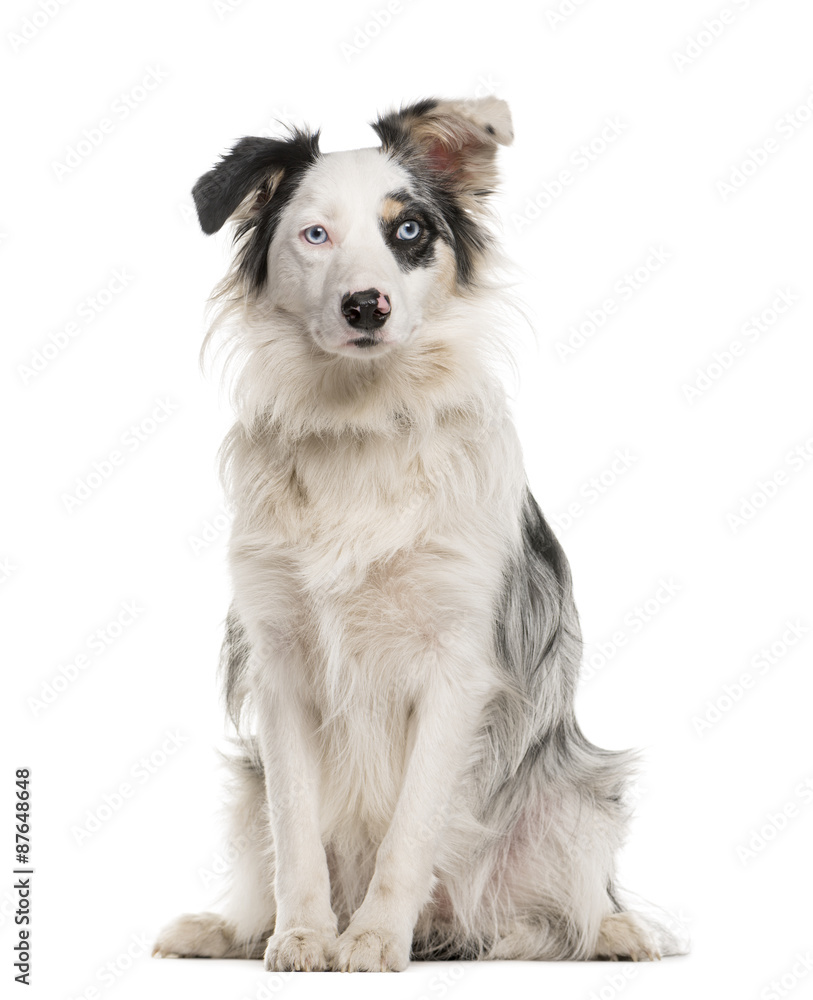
306,927
379,936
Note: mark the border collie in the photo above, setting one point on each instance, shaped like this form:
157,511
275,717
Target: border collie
403,649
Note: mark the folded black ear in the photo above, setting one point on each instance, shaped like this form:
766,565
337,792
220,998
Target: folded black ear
455,140
254,167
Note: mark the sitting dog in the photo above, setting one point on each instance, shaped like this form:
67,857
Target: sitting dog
403,649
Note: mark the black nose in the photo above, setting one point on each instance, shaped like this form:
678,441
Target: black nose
367,310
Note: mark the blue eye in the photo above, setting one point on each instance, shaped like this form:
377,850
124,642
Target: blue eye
315,234
409,230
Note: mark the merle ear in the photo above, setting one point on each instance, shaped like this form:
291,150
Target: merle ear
255,166
456,140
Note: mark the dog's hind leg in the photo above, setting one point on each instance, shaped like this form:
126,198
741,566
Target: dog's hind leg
204,935
621,936
640,930
624,936
248,900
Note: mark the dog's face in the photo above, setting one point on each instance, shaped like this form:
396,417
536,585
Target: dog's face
360,247
357,252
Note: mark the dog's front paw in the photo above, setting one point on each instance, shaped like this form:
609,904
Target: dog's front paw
299,950
371,951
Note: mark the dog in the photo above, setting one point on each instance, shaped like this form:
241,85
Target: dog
402,652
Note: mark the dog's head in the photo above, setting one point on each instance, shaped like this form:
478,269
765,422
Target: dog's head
362,246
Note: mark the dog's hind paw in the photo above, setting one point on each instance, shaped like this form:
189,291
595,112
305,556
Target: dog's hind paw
623,936
195,935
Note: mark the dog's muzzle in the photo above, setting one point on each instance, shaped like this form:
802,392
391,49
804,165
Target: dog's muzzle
366,312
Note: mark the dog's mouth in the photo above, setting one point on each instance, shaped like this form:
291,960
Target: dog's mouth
365,342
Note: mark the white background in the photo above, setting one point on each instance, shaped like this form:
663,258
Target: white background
683,124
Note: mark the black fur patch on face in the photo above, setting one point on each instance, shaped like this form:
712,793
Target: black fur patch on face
254,164
467,239
436,189
419,252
